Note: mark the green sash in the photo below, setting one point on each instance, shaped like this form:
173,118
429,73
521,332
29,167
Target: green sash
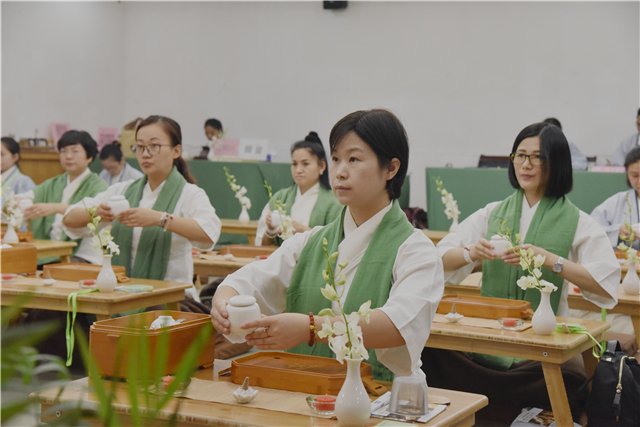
50,191
372,280
553,228
151,262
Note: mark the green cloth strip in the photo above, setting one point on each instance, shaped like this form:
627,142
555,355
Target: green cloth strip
72,305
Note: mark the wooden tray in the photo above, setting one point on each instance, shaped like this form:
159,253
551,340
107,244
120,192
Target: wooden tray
293,372
106,334
247,251
20,258
485,307
74,272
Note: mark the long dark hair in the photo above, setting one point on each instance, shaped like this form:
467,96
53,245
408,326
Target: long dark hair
312,143
172,128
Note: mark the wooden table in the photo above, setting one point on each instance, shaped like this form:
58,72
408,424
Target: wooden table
233,226
212,264
627,304
551,350
435,235
461,411
103,305
471,285
49,248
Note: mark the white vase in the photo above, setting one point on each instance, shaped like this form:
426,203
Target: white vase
631,282
353,406
107,280
544,319
244,215
10,236
454,225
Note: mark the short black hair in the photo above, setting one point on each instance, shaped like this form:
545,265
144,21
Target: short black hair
383,132
553,121
214,123
313,143
11,144
73,137
111,150
632,157
554,149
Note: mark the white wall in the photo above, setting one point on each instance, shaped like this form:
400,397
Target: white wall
463,77
61,62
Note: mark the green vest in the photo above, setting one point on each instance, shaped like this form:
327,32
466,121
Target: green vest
553,228
372,280
50,191
154,249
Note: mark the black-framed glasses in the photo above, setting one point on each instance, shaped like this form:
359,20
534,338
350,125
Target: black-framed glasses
151,148
534,159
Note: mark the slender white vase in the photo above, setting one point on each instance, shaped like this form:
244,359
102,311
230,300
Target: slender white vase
107,280
454,225
244,215
631,282
544,320
353,406
10,236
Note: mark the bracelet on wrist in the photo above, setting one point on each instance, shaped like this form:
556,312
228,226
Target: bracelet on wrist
167,222
163,219
466,253
312,330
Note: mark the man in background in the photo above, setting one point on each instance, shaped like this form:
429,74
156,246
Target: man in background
626,145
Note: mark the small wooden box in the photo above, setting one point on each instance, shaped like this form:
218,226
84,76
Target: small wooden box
293,372
485,307
20,258
106,334
247,251
74,272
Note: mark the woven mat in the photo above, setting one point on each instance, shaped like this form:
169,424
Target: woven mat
267,398
481,323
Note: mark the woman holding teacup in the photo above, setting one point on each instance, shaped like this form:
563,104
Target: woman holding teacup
575,248
168,214
309,202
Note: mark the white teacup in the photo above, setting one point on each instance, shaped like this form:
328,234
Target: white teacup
162,322
499,245
24,204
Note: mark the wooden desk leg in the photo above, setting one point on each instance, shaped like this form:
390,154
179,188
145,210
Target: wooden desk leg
252,239
65,258
557,394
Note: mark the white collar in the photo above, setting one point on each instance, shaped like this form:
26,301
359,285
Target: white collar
370,224
6,174
315,189
81,177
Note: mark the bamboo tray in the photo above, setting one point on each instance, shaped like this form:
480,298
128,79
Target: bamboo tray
485,307
247,251
107,336
19,258
294,372
74,272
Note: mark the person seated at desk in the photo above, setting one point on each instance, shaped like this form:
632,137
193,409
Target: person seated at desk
52,198
576,249
13,181
310,201
389,262
626,145
578,160
115,168
212,129
163,199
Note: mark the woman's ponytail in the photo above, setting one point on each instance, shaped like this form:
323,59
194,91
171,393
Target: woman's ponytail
182,167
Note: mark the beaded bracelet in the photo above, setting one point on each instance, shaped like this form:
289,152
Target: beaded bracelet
466,253
163,219
312,330
167,222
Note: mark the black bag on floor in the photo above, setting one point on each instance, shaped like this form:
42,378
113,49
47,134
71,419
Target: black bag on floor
615,393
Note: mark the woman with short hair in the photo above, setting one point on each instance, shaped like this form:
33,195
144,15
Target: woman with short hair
115,168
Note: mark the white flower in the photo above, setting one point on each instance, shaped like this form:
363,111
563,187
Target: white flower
548,286
538,261
365,310
242,191
358,350
327,328
327,312
537,272
338,344
523,282
113,248
95,243
329,293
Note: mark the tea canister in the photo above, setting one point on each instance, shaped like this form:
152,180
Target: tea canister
241,309
118,204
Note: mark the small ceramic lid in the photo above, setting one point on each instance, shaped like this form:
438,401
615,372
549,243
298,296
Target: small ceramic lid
242,301
497,237
117,198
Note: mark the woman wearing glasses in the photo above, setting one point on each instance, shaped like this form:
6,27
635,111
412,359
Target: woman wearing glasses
576,249
164,199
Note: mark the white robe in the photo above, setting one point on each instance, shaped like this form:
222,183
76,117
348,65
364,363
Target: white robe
417,285
15,182
613,212
590,248
85,250
128,172
193,203
623,149
300,210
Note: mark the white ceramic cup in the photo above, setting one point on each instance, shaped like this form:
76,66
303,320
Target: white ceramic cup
241,309
499,245
162,322
275,219
24,204
118,204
